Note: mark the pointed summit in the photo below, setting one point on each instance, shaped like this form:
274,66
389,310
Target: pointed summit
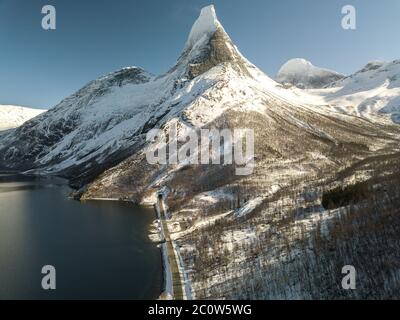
206,25
209,45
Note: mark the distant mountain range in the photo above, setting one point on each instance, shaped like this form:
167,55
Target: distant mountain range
372,92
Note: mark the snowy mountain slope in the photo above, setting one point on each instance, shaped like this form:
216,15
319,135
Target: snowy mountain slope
80,125
106,121
15,116
372,93
294,134
302,74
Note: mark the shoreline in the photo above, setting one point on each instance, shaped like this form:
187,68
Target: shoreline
176,283
174,275
167,289
176,278
126,227
167,286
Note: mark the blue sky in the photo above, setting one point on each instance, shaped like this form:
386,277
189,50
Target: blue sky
39,68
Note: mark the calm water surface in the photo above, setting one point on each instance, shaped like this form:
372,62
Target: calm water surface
100,249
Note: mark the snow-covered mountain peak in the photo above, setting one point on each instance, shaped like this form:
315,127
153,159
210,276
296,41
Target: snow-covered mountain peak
303,74
372,92
107,120
125,75
205,25
296,65
208,46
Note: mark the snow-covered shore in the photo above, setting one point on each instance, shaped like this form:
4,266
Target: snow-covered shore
168,288
169,284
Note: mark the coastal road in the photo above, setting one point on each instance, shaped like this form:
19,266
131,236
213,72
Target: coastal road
172,259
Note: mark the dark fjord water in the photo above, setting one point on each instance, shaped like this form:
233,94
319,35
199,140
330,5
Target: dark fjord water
100,249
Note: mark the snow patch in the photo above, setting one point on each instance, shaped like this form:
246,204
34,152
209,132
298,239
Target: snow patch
206,25
15,116
248,207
